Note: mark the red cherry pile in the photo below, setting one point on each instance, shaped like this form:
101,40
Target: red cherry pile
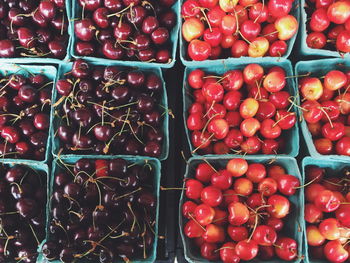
245,111
126,30
102,211
327,213
328,24
25,104
22,212
326,109
239,212
235,28
35,28
109,110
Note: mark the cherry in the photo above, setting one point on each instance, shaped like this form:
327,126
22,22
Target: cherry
238,214
84,29
278,206
316,40
221,180
327,201
193,189
335,252
210,251
286,248
339,12
329,228
246,249
287,184
342,146
237,167
228,253
204,214
211,196
333,131
199,50
265,235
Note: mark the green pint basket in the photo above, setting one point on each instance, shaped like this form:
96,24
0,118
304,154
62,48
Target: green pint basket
333,166
292,138
50,72
293,226
66,67
71,160
319,68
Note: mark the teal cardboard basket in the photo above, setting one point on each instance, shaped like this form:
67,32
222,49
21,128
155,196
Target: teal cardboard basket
190,63
66,67
37,166
292,145
56,166
45,60
50,72
319,68
333,166
76,14
293,226
303,47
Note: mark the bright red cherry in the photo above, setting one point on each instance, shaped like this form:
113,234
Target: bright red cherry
265,235
247,249
286,248
211,196
193,188
327,201
278,206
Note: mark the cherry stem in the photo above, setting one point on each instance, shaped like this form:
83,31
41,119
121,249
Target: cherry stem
112,230
208,121
121,11
212,167
263,5
172,188
281,119
325,113
206,140
127,194
298,76
34,234
191,216
307,184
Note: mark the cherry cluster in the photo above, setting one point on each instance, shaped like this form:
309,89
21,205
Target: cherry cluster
25,104
101,210
328,25
327,213
235,28
33,28
110,110
326,109
126,30
245,111
22,213
239,212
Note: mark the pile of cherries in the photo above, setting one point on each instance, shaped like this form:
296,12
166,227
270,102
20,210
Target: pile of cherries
326,109
239,212
328,24
235,28
327,213
243,111
33,28
22,213
109,110
25,104
103,211
126,30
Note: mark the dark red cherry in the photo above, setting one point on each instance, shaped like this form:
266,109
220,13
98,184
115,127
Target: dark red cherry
47,9
7,48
